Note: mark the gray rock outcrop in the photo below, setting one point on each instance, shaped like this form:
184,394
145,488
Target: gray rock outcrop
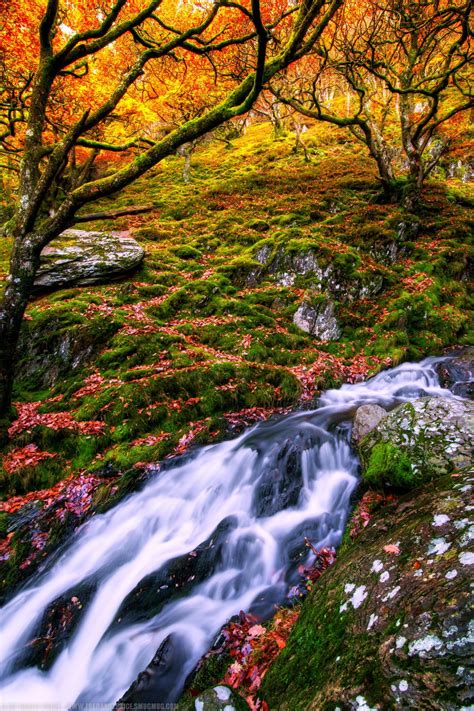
419,440
320,320
78,258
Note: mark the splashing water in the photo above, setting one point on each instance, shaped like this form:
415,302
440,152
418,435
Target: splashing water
238,510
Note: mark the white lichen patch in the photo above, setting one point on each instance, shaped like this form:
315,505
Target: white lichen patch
403,685
222,693
424,645
440,520
451,574
466,558
438,546
384,577
377,566
451,631
356,600
390,595
467,537
349,587
400,642
462,643
362,705
372,620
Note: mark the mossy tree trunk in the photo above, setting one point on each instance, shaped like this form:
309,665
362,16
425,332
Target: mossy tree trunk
23,266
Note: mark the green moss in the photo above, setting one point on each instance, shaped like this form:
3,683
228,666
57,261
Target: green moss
187,252
389,465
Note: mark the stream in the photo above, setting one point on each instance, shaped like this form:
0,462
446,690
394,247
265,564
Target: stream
218,531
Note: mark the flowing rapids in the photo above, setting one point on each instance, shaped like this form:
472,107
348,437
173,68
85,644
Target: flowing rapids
239,509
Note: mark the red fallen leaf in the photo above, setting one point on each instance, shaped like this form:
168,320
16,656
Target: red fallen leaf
256,631
150,440
246,342
279,640
417,565
392,549
29,417
23,457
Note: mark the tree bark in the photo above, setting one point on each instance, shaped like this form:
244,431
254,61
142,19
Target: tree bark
23,266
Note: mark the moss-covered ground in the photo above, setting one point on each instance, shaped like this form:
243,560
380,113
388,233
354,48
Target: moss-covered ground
112,378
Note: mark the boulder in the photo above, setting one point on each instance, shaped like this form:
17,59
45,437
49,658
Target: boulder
388,626
320,320
78,258
419,440
367,417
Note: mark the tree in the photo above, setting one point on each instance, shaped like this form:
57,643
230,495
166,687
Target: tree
399,72
123,42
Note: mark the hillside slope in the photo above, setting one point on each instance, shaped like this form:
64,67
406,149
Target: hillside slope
202,339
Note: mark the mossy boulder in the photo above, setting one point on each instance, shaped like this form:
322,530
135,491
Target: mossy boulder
418,441
388,625
78,257
337,274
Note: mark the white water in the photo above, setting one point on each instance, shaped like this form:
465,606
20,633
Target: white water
176,511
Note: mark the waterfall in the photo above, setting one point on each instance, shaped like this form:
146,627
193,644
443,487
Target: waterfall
219,531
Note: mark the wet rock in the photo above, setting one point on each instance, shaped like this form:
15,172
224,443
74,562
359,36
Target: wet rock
419,440
175,579
320,321
219,698
78,257
367,417
153,684
386,629
280,483
457,374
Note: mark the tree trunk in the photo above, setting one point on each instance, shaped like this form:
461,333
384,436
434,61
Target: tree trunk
23,266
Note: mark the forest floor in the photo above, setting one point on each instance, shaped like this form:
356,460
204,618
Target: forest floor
201,340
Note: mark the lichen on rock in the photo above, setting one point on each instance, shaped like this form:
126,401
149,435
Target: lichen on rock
78,257
320,320
391,628
417,441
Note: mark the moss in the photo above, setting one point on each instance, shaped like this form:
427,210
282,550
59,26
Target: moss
187,252
210,672
389,465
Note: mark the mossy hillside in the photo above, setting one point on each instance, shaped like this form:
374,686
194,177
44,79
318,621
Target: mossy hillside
165,355
361,633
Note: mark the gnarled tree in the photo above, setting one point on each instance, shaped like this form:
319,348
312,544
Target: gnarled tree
399,71
269,39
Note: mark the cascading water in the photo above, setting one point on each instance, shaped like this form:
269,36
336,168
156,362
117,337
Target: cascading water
233,516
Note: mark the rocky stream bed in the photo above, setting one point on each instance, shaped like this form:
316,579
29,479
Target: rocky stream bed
237,526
